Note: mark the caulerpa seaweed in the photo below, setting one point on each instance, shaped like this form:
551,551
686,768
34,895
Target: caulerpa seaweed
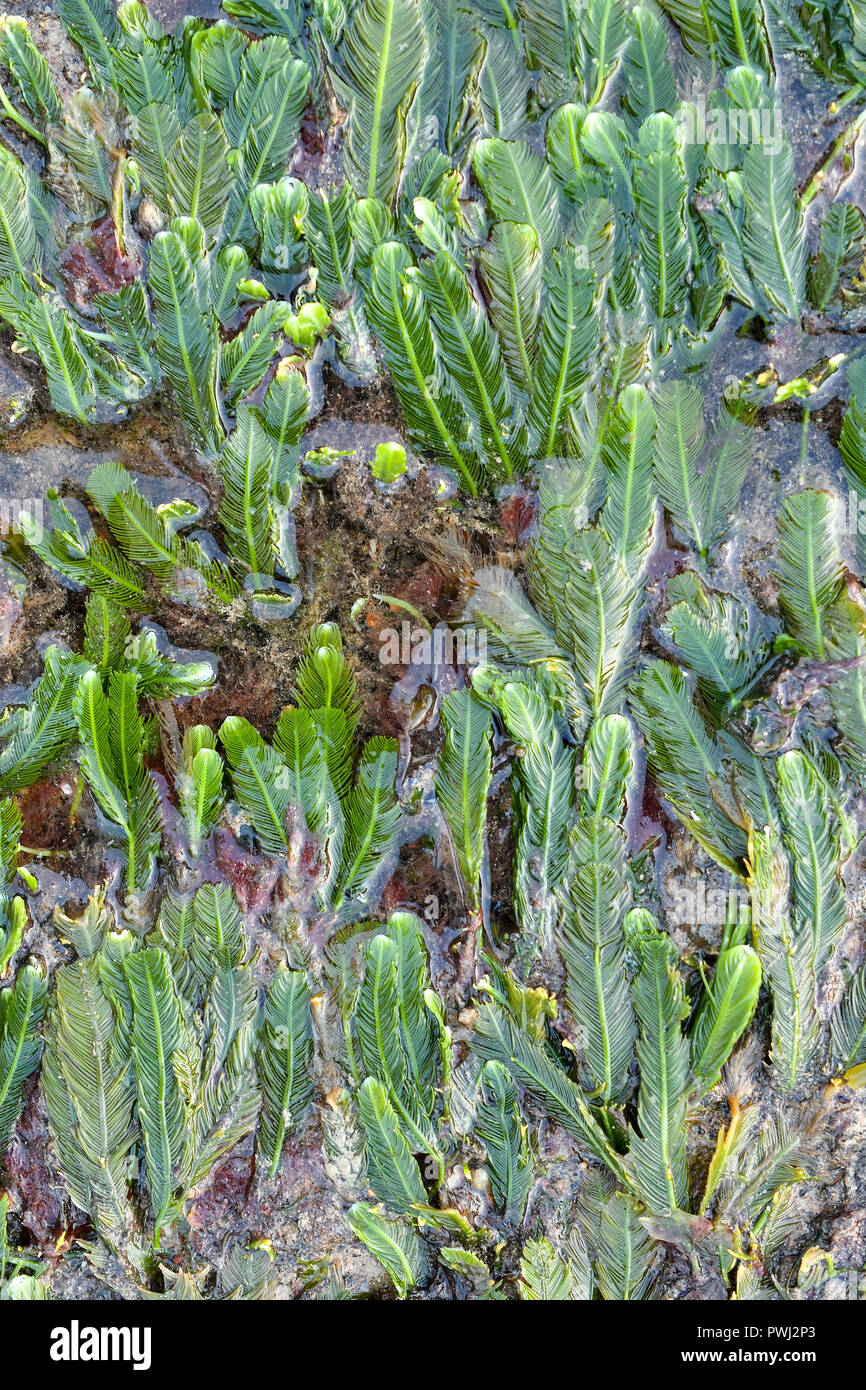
574,240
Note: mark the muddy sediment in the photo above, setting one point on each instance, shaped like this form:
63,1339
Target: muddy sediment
369,562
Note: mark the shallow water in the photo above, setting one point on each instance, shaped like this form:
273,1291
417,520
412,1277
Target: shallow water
368,561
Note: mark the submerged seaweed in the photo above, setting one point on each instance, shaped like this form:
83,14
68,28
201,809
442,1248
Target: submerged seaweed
440,874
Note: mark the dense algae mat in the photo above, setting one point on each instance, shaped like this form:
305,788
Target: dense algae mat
433,650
